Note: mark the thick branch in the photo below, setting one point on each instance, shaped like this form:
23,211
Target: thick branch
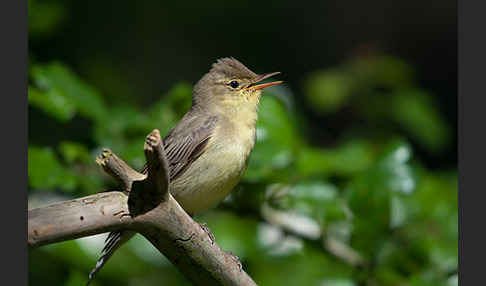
189,247
168,227
77,218
148,209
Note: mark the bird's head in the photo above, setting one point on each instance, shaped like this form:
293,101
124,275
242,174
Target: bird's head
230,85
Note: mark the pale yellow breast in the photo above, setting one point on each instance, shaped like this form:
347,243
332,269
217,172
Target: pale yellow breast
217,171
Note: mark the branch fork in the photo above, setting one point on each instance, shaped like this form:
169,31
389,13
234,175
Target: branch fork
146,206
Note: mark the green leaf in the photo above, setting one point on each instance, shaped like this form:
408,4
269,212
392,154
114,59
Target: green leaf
310,266
338,282
124,133
435,221
65,88
76,278
347,159
393,168
328,91
169,110
416,112
370,195
73,151
314,161
240,240
46,172
53,103
428,277
276,142
317,200
385,71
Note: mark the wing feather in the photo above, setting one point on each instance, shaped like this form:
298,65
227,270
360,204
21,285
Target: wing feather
183,145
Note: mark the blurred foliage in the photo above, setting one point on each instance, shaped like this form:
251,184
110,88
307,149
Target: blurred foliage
362,211
383,91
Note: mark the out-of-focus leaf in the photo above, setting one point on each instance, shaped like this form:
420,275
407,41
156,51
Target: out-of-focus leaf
45,269
309,208
426,277
313,192
292,221
52,102
59,81
435,221
124,133
76,278
65,250
147,252
276,140
398,213
272,239
393,166
347,159
415,111
179,98
46,172
370,196
351,157
73,151
338,282
383,71
328,91
233,232
395,260
315,199
169,110
453,280
314,161
312,265
125,260
80,162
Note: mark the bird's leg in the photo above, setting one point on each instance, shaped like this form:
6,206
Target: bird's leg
208,231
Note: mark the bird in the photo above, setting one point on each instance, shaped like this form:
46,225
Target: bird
209,148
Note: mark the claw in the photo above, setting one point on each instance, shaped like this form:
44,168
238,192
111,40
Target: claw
236,259
208,231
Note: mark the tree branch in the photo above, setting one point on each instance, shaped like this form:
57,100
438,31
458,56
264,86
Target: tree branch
77,218
148,209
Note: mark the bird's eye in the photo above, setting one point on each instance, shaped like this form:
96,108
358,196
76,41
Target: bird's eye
234,84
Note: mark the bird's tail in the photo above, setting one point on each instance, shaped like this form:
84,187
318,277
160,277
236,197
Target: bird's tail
112,243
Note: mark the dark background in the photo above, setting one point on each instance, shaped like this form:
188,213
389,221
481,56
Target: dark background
135,51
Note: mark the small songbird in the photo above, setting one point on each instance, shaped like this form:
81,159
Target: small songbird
208,149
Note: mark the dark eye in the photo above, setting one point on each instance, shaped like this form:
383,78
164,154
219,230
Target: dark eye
234,84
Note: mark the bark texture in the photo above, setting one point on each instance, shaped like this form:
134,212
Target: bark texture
146,206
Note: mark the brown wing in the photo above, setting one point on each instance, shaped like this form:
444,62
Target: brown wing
186,142
183,145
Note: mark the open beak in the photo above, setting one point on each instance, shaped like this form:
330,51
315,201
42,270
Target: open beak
253,86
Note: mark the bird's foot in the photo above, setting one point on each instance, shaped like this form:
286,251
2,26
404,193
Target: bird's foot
208,231
236,259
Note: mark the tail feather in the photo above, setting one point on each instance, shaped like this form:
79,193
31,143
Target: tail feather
113,241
